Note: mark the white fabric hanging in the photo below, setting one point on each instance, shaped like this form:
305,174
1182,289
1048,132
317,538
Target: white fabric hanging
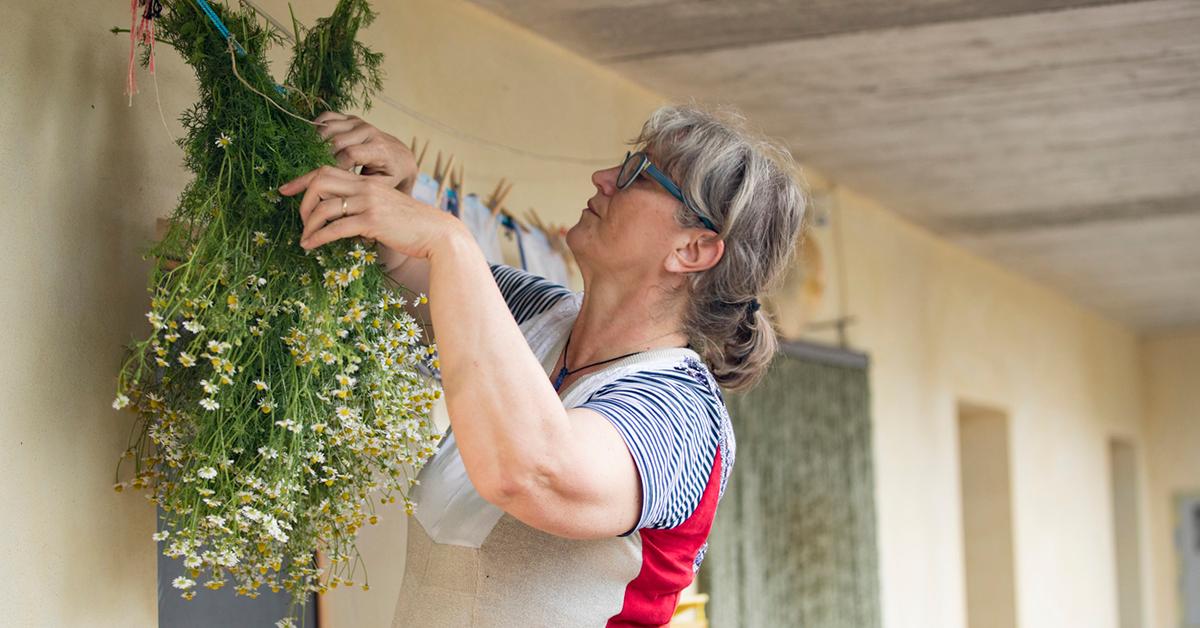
426,190
542,260
483,225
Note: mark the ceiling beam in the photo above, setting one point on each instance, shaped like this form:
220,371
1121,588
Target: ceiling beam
1057,218
614,31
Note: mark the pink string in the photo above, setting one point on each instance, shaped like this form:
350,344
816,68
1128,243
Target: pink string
141,29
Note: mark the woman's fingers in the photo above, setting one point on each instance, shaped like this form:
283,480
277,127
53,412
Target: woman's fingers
372,155
320,184
332,122
347,227
299,184
325,211
357,134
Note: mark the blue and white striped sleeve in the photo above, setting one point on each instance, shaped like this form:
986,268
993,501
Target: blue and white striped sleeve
671,426
526,294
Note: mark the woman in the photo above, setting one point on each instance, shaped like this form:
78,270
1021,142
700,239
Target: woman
589,441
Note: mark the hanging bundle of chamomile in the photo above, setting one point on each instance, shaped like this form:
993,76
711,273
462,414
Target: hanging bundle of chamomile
279,391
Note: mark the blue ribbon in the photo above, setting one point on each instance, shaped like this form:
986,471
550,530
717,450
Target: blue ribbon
212,16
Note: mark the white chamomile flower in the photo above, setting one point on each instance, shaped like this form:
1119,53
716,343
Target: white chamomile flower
209,404
224,141
186,359
209,387
261,238
274,529
193,326
266,406
207,473
215,521
156,320
160,536
227,559
286,622
261,385
120,402
183,583
216,347
192,562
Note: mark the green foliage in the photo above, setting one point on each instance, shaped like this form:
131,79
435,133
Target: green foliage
278,387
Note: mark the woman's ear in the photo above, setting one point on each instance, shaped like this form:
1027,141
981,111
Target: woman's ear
700,252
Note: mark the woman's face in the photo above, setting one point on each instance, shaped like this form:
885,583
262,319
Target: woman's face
626,233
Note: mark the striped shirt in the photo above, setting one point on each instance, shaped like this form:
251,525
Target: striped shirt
673,419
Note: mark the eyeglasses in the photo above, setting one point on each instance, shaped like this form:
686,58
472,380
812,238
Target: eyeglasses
637,163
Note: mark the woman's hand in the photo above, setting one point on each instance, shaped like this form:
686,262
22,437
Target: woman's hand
340,204
356,142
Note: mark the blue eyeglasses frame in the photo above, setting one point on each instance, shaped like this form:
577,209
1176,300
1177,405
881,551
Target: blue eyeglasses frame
644,166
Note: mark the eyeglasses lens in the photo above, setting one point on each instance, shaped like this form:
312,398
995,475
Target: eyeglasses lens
629,170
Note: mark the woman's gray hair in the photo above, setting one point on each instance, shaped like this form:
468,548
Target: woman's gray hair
751,189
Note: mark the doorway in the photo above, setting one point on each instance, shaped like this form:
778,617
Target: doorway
987,517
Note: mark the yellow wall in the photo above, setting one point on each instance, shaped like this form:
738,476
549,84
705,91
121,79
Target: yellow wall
944,327
85,176
1171,378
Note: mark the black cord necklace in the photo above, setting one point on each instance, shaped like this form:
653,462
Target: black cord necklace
564,372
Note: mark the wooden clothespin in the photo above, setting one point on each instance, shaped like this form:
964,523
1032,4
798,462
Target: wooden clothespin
420,156
496,202
442,176
531,216
456,180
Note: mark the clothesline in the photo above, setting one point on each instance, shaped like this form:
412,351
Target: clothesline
540,248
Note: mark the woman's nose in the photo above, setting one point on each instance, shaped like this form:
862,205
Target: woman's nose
606,180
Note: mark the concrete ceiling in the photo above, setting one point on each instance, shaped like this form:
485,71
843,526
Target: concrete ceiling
1060,138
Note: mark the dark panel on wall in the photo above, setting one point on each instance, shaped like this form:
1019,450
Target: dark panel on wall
794,539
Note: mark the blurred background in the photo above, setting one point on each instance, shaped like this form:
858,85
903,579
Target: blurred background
987,413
